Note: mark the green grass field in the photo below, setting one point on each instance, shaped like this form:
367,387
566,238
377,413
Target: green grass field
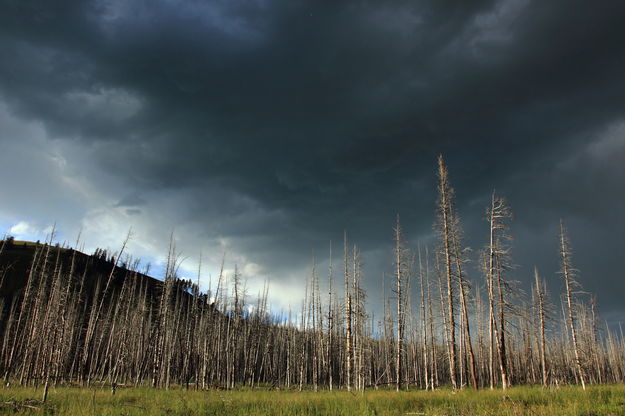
598,400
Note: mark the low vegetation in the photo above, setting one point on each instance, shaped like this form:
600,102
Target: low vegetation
570,401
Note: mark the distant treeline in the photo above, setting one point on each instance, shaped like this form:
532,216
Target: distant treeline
67,317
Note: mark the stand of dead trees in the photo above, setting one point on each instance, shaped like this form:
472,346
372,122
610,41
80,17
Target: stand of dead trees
70,325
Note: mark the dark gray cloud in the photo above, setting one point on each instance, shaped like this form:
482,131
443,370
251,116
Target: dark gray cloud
267,128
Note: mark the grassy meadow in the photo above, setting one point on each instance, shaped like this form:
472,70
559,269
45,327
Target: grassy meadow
570,401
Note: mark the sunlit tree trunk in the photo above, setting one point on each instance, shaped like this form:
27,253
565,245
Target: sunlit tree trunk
569,281
445,195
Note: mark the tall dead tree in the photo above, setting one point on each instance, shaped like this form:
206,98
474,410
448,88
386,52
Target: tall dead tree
540,300
569,282
463,288
445,217
359,316
401,271
348,317
330,320
424,323
498,213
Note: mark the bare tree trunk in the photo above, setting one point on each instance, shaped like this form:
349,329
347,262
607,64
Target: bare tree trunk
540,294
465,315
330,323
497,213
569,282
501,344
445,218
424,322
348,320
399,285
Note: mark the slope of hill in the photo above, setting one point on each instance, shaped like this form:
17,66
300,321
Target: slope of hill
18,259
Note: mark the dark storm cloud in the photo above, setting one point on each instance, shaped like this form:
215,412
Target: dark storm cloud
283,123
131,200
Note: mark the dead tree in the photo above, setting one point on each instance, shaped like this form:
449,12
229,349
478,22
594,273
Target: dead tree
497,214
462,290
424,322
348,317
400,281
540,299
330,320
569,282
445,230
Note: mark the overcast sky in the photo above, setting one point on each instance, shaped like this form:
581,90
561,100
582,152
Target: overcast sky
264,129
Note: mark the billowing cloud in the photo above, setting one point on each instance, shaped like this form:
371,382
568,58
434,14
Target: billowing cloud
264,129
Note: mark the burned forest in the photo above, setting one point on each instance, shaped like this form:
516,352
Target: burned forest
69,318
